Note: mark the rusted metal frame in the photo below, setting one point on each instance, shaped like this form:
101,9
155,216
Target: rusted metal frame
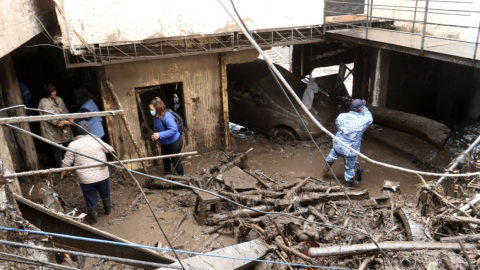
220,42
185,45
209,44
283,38
324,18
266,42
425,17
148,49
161,47
122,52
72,168
38,118
476,44
100,53
108,54
305,38
414,16
368,14
135,49
198,45
171,45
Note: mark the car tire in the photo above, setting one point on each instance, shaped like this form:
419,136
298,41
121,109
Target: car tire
284,134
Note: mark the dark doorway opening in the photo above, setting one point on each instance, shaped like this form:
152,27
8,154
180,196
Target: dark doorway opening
171,94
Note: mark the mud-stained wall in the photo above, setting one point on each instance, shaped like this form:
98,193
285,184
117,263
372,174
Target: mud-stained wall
113,21
19,22
200,76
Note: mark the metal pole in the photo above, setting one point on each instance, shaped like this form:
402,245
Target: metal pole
324,17
38,118
424,26
103,257
414,16
476,44
19,259
366,24
48,171
460,159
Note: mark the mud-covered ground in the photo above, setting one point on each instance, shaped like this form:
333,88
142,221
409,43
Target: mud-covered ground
132,220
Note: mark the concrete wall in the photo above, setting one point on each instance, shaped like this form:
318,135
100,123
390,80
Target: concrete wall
457,10
200,76
19,23
113,21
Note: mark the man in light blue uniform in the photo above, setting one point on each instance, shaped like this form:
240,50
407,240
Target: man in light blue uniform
351,127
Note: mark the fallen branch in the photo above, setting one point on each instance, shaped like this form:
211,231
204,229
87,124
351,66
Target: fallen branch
254,198
366,262
178,236
179,223
217,218
385,246
464,252
235,162
447,262
319,215
264,193
466,220
306,198
163,185
285,240
464,238
398,212
321,188
207,243
294,190
293,251
258,179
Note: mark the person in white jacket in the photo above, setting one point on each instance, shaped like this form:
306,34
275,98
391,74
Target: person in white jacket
92,180
351,127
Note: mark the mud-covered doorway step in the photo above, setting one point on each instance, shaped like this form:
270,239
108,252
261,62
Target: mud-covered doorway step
172,95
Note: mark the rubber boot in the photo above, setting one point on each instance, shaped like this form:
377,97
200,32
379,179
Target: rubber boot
327,168
92,214
107,206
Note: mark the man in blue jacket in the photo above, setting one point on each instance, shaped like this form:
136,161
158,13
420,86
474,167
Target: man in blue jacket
351,127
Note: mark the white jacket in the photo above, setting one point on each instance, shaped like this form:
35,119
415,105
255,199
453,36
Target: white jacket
89,146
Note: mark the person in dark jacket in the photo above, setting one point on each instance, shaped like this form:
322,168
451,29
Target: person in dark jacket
167,134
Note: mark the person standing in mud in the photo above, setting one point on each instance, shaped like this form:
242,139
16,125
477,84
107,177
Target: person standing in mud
54,130
351,127
92,180
167,134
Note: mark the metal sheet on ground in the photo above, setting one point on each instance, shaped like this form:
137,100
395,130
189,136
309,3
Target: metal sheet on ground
238,179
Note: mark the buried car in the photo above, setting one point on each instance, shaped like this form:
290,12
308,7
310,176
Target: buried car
256,101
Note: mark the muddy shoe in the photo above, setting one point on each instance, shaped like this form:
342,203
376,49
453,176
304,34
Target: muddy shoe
326,168
348,184
92,214
107,206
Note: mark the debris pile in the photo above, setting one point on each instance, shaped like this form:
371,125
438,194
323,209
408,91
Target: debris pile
326,224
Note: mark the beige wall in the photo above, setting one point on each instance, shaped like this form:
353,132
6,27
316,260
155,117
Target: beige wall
200,76
18,22
113,21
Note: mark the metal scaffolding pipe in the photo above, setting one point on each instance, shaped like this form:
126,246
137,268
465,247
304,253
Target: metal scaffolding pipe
54,170
107,258
38,118
460,158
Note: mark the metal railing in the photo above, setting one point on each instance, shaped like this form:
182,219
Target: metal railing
374,21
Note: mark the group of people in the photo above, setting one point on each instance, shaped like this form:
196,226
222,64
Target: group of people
95,180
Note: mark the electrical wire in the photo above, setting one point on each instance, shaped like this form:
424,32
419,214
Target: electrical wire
131,175
19,259
84,254
163,249
319,150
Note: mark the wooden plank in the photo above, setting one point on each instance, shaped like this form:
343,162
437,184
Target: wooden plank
13,96
102,81
38,118
224,95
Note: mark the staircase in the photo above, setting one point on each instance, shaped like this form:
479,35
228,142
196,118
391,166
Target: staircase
279,56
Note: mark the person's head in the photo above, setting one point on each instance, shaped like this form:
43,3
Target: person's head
82,95
157,108
357,105
49,91
86,127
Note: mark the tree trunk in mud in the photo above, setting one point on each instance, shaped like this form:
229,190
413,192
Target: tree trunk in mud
323,197
217,218
426,129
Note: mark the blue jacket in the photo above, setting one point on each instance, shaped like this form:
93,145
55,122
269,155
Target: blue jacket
170,134
351,127
95,122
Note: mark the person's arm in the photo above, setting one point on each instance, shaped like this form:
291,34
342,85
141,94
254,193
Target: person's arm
368,115
82,110
107,148
172,128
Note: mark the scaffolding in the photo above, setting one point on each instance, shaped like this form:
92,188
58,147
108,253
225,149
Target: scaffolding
409,26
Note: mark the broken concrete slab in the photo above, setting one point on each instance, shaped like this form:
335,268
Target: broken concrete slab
238,179
249,250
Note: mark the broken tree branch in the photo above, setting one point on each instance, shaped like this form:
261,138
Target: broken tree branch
217,218
458,219
465,238
292,251
366,262
125,122
398,212
385,246
447,262
179,223
258,179
314,197
464,251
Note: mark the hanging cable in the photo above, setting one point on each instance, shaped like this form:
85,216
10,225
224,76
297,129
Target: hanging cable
131,175
245,30
23,260
163,249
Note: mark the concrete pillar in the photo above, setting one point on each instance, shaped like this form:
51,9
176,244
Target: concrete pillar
360,74
378,79
224,94
12,96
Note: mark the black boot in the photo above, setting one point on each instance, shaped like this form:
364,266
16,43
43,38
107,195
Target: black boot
107,206
327,168
92,214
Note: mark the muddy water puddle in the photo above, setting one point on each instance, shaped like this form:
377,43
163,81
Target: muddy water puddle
131,218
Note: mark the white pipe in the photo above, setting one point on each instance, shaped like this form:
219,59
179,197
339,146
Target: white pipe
472,202
314,120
